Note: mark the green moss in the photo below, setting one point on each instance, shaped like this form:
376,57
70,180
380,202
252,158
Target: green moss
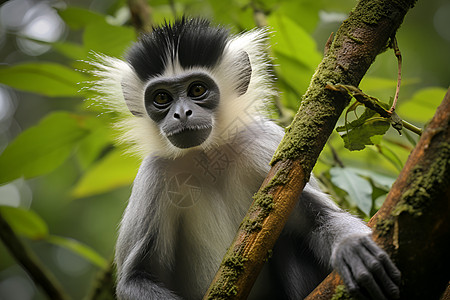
384,226
233,267
355,39
340,293
264,205
252,225
373,12
235,263
426,186
264,201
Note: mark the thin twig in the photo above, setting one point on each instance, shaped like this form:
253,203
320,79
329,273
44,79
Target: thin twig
356,93
328,44
398,54
412,128
140,16
104,286
259,16
335,156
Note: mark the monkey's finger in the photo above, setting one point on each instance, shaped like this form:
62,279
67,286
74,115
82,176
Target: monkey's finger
350,282
364,276
393,272
382,280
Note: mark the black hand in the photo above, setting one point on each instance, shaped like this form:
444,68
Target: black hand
366,269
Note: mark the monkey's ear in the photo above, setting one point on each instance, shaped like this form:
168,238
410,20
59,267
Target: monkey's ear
244,73
131,99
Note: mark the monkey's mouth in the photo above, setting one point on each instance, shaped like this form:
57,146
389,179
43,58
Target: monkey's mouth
189,136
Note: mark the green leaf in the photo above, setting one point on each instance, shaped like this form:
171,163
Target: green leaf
291,40
294,78
25,222
297,57
77,17
113,171
383,181
42,148
366,115
362,131
391,156
357,138
71,50
49,79
82,250
422,106
234,12
95,143
358,189
108,39
304,13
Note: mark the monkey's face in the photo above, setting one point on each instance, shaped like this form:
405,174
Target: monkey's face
183,107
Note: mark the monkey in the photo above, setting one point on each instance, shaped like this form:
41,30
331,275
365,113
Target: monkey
193,100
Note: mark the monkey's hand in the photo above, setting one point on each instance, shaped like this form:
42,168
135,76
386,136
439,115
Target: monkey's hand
366,269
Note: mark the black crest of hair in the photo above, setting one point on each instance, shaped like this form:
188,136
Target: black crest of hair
194,41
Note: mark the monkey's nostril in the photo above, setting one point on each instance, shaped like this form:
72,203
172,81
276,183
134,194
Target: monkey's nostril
176,115
188,113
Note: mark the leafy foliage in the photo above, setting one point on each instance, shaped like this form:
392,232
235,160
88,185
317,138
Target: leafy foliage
112,171
49,79
42,148
358,189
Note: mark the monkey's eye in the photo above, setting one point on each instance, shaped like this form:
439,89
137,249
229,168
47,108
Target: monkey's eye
162,99
197,90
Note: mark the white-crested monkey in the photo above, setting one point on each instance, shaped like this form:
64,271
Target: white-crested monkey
193,101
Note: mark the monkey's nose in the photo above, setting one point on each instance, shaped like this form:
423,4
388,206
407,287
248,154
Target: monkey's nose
182,116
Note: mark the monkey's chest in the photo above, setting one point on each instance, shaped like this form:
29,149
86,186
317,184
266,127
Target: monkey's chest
203,210
200,223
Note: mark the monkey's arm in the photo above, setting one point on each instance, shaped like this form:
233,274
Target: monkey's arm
136,282
344,241
136,235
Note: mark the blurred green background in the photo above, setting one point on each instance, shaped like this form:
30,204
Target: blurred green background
64,182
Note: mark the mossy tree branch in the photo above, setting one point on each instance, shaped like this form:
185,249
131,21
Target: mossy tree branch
361,37
412,224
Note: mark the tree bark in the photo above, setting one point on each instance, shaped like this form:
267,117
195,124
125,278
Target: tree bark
361,37
412,225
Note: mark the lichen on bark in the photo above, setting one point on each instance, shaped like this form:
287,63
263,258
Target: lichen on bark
425,186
